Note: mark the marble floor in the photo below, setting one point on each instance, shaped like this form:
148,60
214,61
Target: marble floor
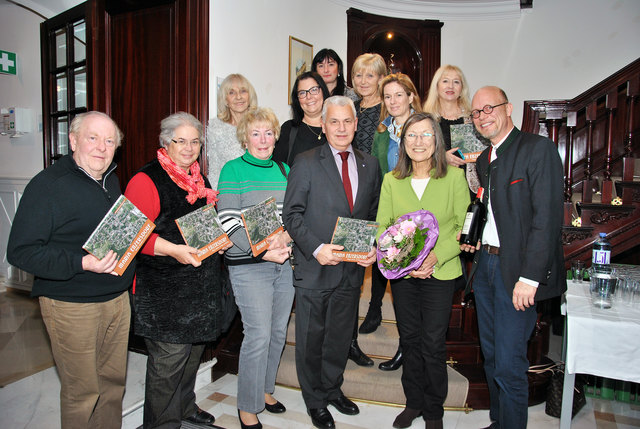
30,390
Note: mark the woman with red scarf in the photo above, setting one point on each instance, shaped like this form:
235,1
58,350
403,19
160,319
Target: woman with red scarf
176,297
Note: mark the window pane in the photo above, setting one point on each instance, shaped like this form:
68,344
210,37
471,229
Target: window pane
79,41
62,136
61,91
61,47
80,83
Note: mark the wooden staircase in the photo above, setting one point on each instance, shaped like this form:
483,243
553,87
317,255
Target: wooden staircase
598,137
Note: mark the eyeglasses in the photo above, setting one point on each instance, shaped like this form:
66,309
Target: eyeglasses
314,90
183,142
412,137
475,114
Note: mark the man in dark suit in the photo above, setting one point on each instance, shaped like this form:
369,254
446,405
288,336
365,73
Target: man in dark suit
520,259
327,289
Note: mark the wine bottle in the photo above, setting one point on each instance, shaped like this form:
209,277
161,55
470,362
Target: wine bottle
473,221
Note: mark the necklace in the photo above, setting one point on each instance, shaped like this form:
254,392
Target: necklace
319,135
362,108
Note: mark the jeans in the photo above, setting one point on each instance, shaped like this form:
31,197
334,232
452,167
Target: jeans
89,344
264,295
171,378
423,308
504,333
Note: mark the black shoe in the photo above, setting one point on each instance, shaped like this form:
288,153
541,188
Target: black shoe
321,418
406,417
358,356
201,417
345,405
245,426
371,321
394,363
276,408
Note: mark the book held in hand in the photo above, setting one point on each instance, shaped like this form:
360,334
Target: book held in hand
356,235
261,223
202,229
124,229
466,138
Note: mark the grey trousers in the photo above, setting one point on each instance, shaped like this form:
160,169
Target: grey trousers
264,294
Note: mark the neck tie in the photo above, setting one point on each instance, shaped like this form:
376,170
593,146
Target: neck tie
346,182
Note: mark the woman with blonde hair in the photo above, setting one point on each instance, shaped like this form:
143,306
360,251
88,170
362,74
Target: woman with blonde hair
367,72
449,102
236,97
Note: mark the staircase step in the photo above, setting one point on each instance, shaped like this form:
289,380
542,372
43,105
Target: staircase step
371,384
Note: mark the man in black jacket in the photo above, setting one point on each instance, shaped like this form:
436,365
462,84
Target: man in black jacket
84,307
520,260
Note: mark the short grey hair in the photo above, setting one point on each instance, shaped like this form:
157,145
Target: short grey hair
76,124
337,100
176,120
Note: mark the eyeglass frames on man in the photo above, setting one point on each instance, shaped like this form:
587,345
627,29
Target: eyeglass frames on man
475,113
314,90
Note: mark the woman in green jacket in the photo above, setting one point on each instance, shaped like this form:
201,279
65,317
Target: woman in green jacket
422,180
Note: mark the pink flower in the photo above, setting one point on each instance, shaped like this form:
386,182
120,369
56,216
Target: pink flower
398,237
408,227
392,252
386,241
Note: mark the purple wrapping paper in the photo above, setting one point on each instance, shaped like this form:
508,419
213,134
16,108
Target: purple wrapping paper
424,219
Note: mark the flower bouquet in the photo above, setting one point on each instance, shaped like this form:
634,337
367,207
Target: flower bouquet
405,244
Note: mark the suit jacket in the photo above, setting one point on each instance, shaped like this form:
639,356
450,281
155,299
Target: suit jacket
526,187
314,200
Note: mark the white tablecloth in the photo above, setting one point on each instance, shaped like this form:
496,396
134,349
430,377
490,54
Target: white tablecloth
602,342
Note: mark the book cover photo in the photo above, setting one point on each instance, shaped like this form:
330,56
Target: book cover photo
124,229
261,223
202,229
356,235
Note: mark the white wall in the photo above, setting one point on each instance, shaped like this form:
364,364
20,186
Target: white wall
557,50
251,37
20,33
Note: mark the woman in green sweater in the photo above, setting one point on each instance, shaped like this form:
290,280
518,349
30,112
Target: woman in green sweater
262,285
421,180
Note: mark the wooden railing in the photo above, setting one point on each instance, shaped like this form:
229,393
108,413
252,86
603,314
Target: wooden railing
598,136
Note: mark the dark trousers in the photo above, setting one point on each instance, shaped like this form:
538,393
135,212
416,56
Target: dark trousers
324,319
422,310
504,333
169,384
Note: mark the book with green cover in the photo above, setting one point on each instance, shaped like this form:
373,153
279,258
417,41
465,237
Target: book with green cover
466,138
356,235
202,229
124,229
261,223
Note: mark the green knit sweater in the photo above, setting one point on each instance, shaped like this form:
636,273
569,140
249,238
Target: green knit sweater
245,182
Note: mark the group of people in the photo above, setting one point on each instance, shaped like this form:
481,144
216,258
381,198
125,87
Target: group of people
372,152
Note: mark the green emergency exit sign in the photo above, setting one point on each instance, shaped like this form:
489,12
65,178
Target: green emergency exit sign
7,62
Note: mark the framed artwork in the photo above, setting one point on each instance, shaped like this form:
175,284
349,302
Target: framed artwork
300,58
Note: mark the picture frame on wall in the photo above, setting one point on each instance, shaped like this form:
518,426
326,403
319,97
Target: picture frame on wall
300,58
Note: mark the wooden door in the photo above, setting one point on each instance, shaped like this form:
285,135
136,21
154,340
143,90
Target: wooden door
149,59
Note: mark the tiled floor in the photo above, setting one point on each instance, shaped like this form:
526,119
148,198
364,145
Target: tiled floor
32,401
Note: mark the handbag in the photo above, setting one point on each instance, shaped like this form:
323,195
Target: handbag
553,406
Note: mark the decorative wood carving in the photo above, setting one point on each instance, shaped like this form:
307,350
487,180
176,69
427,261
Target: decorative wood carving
572,233
602,213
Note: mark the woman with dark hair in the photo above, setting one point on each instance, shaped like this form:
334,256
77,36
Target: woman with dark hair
422,180
304,131
176,297
328,64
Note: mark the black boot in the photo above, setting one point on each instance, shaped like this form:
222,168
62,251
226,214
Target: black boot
358,356
371,321
394,363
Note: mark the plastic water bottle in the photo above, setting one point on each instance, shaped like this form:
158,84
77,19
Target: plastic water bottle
601,254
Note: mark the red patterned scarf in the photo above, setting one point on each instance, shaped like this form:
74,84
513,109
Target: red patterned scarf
192,183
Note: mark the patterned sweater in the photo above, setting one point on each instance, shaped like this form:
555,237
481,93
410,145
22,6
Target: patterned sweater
245,182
